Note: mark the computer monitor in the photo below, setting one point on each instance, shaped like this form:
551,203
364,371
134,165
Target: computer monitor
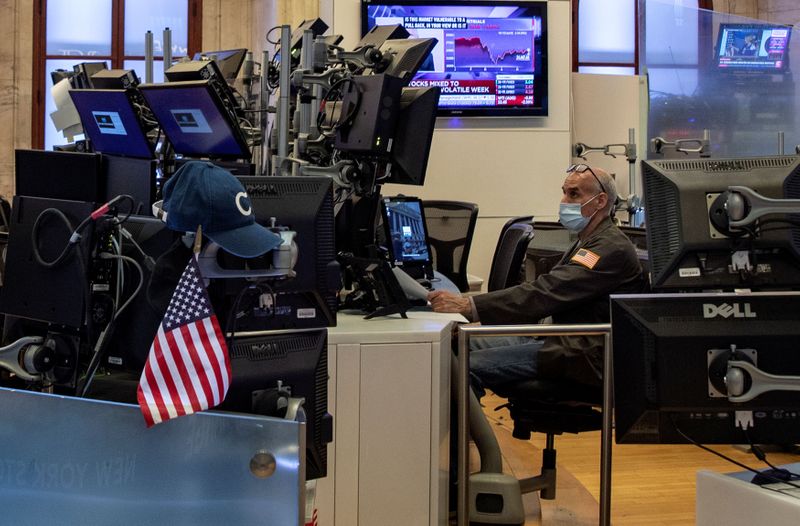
267,367
403,58
753,47
308,300
672,354
689,243
73,176
133,177
195,120
411,148
111,122
56,294
82,76
228,61
115,79
406,234
138,323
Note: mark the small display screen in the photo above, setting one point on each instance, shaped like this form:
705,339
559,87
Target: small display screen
194,122
111,123
490,58
406,232
753,47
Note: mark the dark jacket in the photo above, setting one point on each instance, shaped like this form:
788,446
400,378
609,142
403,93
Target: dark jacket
576,290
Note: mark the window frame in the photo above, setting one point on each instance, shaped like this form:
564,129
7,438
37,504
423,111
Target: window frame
116,58
576,64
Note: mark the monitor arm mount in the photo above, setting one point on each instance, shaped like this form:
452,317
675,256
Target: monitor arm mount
685,146
362,58
745,381
744,206
631,204
29,357
739,207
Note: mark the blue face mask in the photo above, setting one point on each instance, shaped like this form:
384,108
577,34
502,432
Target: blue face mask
569,215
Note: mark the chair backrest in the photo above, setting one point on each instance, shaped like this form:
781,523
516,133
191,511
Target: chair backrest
451,225
509,255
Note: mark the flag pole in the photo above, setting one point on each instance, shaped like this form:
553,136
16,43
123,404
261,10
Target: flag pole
198,240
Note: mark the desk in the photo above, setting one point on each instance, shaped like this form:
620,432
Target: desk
730,500
389,393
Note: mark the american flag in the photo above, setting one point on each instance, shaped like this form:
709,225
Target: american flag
188,368
587,258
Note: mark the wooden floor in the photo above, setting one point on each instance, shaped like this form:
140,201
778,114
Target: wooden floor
651,485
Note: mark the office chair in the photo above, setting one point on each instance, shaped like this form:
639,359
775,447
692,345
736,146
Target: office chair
509,256
451,225
535,406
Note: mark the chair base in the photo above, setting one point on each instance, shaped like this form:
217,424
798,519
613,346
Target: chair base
495,498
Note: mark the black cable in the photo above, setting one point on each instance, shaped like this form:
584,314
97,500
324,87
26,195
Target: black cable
725,457
269,33
762,456
230,325
74,237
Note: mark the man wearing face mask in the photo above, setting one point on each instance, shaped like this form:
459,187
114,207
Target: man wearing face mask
602,261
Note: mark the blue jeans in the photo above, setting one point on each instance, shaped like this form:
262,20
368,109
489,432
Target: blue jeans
495,361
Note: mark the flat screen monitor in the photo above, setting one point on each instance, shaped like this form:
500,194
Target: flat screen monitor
491,56
688,244
672,353
195,120
753,47
49,294
406,233
416,122
138,323
74,176
112,123
298,360
309,299
229,61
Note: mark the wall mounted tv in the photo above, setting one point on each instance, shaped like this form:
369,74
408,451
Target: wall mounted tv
490,59
753,47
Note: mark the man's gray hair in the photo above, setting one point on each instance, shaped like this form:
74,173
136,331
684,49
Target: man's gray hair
611,188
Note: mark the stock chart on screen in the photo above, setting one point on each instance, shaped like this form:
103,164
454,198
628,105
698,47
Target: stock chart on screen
487,56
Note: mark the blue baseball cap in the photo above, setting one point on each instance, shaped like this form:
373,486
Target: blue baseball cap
201,193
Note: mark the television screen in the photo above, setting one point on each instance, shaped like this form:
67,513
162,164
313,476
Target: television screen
490,58
753,47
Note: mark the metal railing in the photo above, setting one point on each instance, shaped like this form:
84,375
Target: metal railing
465,333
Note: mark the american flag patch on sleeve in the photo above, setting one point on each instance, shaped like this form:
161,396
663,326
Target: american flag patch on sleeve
587,258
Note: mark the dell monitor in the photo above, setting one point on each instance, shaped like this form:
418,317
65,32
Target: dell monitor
111,122
268,368
490,58
753,48
686,368
195,120
689,242
308,300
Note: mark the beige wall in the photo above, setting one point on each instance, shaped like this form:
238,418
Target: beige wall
16,55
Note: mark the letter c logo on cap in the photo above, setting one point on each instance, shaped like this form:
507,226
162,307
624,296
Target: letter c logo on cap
243,203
